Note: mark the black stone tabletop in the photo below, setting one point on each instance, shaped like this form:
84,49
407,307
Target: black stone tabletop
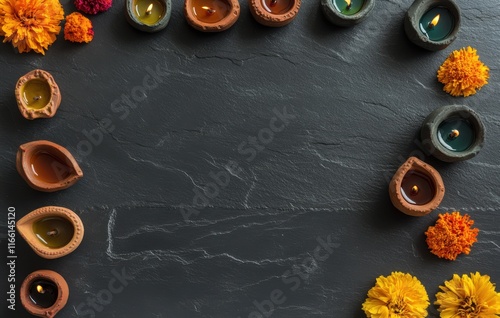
245,173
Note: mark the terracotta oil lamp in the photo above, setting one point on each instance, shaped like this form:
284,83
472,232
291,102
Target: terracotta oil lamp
44,293
211,15
148,15
274,13
417,188
47,166
51,231
37,95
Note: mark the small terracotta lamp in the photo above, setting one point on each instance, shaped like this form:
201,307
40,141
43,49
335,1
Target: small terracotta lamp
274,13
148,15
37,95
44,293
417,188
47,166
211,15
432,24
51,231
453,133
347,12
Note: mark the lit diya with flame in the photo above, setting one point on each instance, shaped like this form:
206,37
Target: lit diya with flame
346,12
148,15
44,293
211,15
453,133
274,13
416,188
432,24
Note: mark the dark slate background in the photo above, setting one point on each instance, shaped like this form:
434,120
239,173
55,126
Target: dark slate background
359,96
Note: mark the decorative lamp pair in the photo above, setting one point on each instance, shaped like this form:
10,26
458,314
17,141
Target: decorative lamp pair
450,133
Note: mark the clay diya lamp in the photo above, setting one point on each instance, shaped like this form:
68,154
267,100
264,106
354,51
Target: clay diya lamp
347,12
148,15
44,293
417,188
47,166
51,231
453,133
274,13
211,15
432,24
37,95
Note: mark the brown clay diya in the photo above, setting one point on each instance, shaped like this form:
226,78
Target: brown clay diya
37,95
417,188
51,231
47,166
211,15
44,293
274,13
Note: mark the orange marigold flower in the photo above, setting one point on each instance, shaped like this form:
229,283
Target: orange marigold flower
78,28
462,73
451,236
30,24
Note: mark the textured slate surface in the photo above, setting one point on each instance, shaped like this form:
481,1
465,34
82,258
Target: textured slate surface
358,97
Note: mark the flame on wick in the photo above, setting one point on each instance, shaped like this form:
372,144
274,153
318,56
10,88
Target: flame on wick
40,289
414,190
435,21
454,133
149,9
209,10
348,3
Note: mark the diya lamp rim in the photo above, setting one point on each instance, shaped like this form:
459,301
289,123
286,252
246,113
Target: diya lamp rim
25,224
50,109
397,199
225,23
412,23
270,19
158,26
62,293
430,126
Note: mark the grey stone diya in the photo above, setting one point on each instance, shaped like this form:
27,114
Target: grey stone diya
139,25
430,136
338,18
412,23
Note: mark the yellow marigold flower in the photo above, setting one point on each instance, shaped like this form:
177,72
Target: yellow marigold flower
398,295
30,24
451,235
471,296
462,73
78,28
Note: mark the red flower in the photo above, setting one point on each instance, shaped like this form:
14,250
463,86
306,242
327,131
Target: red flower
93,6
